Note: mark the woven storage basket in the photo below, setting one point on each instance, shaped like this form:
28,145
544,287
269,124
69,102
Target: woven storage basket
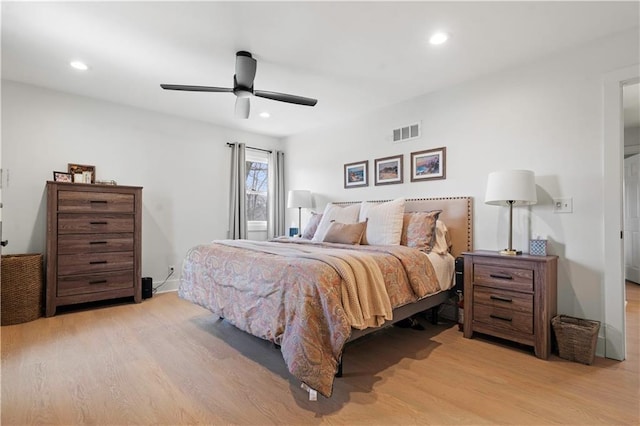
22,288
576,337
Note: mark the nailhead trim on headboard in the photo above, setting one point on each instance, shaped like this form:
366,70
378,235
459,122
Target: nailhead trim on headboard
469,213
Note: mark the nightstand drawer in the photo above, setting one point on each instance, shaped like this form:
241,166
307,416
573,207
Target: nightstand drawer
94,202
94,243
517,302
69,286
503,277
94,224
72,264
506,319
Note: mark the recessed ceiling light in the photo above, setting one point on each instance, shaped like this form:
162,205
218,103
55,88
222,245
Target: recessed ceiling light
438,38
79,65
265,114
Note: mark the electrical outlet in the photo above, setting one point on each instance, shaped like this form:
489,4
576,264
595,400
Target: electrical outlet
563,205
172,269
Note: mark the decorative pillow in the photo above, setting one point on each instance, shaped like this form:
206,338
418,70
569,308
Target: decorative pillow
345,233
384,226
332,212
443,239
419,229
312,225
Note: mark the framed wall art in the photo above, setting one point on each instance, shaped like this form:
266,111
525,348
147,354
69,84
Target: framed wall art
388,170
62,177
428,165
356,174
82,173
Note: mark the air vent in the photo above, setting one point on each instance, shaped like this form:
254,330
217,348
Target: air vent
405,133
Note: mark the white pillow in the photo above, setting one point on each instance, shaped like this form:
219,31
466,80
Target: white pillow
384,222
332,212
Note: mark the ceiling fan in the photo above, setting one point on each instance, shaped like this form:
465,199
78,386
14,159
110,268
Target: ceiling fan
243,87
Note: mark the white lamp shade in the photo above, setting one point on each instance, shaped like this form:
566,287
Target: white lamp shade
299,198
518,186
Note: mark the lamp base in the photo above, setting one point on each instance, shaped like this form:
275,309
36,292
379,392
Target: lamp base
508,252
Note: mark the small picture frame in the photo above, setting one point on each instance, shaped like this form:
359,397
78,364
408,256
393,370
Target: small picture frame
62,177
388,170
87,174
356,174
538,247
429,164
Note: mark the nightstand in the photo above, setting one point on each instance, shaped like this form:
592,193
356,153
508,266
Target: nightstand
511,297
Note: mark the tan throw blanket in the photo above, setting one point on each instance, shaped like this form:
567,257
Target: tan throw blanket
364,295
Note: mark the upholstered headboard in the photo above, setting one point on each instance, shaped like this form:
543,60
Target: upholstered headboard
457,214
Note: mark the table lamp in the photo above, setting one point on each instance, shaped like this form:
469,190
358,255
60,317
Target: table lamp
300,199
511,188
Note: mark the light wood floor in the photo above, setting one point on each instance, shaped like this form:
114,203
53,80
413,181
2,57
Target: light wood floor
165,361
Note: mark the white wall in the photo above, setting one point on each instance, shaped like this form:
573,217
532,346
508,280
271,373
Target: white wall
183,166
546,117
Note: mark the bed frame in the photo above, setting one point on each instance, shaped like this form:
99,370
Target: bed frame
457,214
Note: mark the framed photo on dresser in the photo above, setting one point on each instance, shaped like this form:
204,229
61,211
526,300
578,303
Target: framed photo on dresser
88,173
62,177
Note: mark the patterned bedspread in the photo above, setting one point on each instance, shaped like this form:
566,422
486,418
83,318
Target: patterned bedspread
294,301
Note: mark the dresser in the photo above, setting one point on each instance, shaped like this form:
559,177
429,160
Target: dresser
511,297
94,242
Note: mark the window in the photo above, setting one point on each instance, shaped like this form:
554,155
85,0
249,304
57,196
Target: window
257,185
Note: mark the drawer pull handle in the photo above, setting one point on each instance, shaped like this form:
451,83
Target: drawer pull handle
500,298
98,223
501,276
97,242
98,282
500,318
98,201
97,262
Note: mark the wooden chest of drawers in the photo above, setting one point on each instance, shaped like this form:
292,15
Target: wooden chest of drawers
93,243
511,297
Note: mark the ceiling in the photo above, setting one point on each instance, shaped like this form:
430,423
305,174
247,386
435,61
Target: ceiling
354,57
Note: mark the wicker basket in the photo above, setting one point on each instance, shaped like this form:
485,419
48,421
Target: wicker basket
576,338
22,288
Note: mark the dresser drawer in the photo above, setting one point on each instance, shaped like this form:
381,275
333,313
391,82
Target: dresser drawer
94,243
506,319
94,223
497,298
503,277
73,285
74,264
89,201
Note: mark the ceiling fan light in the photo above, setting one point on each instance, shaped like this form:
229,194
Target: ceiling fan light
243,93
438,38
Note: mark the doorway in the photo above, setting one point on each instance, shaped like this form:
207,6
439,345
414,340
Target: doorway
613,250
631,164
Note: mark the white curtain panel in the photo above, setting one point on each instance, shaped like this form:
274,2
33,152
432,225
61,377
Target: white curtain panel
237,207
277,195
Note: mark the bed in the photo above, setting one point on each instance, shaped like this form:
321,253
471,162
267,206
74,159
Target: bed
312,296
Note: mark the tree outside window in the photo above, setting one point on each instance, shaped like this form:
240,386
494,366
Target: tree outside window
257,180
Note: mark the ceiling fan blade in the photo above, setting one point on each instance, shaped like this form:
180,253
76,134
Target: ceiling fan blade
195,88
242,107
283,97
245,69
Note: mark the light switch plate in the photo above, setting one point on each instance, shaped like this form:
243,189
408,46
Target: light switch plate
563,205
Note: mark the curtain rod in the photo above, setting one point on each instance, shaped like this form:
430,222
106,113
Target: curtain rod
229,144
